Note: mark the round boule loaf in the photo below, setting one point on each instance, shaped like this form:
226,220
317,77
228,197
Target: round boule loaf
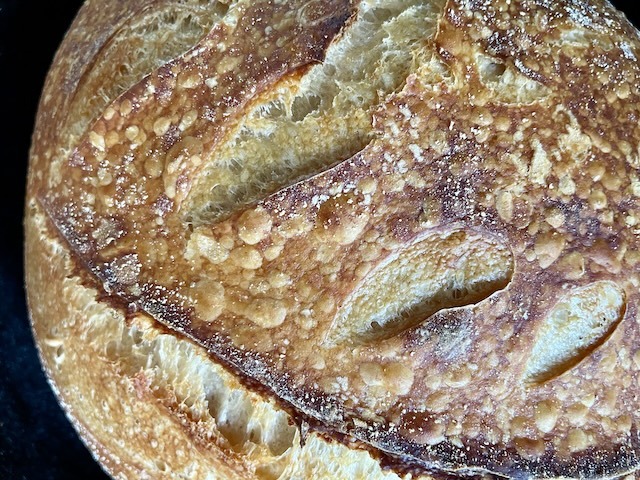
342,238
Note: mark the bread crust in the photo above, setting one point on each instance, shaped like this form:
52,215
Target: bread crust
507,157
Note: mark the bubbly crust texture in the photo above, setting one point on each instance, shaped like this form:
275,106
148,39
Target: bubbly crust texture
342,238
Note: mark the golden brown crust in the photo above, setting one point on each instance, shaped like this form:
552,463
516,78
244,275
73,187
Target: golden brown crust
492,218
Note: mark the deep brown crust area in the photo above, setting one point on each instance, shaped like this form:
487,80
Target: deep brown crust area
524,153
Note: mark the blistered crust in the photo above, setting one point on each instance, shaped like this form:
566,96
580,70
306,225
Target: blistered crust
518,159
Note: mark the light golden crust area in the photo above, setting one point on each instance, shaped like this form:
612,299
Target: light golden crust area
459,296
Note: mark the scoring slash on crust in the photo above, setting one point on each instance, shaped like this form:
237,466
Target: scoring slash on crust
432,253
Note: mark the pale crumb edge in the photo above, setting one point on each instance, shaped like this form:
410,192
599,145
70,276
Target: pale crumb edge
318,458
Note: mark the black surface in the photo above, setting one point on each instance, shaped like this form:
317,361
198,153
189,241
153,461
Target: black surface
36,440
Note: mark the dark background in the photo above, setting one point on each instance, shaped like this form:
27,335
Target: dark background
36,440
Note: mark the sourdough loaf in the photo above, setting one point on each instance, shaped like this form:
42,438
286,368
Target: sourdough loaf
342,239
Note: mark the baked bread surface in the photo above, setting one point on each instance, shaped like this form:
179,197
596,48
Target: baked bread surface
333,239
